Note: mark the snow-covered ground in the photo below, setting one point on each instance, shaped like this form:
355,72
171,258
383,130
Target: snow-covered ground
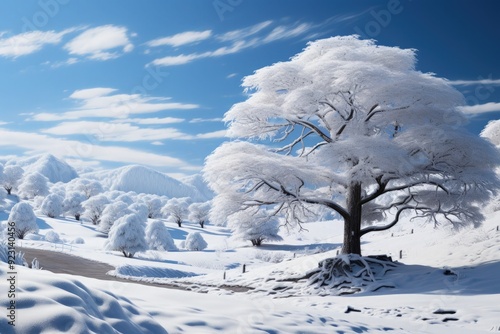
469,297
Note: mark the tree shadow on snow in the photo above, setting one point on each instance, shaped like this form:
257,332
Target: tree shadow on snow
311,248
480,279
42,224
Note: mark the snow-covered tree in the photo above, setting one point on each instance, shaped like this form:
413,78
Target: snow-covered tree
32,185
88,187
140,209
72,203
12,175
127,236
126,198
24,218
93,207
154,205
111,213
258,227
195,242
52,206
158,237
176,210
362,133
198,213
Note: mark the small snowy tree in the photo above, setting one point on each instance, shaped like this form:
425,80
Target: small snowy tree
52,206
93,208
52,236
88,187
24,218
140,209
12,175
176,210
127,236
158,237
33,184
361,133
195,242
111,213
72,204
154,205
198,213
254,227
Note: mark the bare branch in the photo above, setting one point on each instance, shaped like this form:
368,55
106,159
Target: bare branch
385,227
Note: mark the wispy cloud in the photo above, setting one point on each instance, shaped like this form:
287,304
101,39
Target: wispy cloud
154,120
494,82
481,108
100,102
30,42
183,38
212,135
203,120
239,40
101,43
37,143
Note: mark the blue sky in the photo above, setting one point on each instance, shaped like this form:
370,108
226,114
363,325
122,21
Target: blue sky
109,83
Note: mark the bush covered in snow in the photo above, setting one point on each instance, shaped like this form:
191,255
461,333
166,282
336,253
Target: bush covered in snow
78,241
32,185
12,175
52,236
52,206
72,204
111,213
158,237
141,210
93,208
195,242
24,218
176,210
255,228
198,213
127,235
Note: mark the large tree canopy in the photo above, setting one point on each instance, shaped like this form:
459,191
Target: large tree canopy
353,127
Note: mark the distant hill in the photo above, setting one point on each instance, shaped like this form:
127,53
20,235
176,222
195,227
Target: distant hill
48,165
142,179
197,182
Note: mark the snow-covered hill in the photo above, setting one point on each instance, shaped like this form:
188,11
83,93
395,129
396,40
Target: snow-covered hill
197,182
142,179
48,165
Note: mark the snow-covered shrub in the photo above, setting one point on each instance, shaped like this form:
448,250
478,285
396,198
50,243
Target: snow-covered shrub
52,206
4,254
88,187
93,207
272,257
111,213
127,235
24,218
125,198
52,236
154,205
33,184
78,241
255,228
3,194
158,237
11,177
141,210
195,242
176,210
72,204
198,213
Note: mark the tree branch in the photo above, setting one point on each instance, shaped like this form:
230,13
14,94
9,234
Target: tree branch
385,227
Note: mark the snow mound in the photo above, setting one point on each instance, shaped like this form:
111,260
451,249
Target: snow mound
145,180
129,271
53,304
49,166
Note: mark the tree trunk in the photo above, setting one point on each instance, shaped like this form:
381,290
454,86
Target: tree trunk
9,190
352,227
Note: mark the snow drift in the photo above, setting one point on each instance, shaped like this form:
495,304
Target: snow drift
145,180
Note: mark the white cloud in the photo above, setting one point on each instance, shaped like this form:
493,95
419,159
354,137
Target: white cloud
285,32
175,60
245,32
240,40
30,42
475,82
155,120
212,135
98,102
157,143
202,120
101,43
183,38
115,132
232,75
481,108
37,143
